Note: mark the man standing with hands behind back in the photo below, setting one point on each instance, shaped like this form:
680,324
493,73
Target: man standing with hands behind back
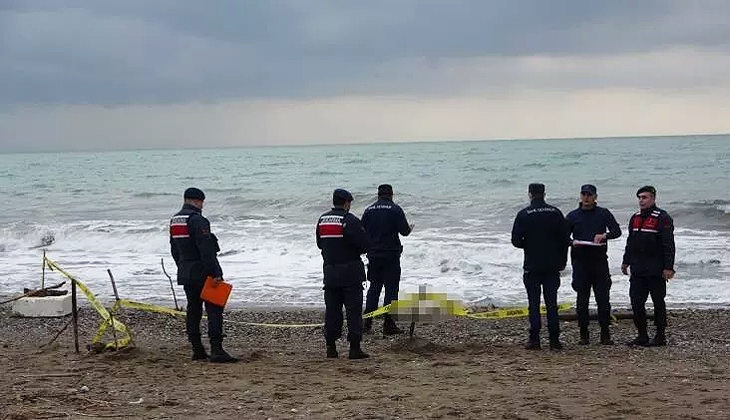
650,257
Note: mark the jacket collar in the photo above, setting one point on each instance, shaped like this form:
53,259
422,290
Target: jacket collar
192,208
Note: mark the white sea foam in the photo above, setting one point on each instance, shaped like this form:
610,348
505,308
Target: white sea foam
273,262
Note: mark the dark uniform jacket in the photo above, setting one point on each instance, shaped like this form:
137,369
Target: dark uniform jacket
650,245
342,240
383,221
193,246
541,230
584,225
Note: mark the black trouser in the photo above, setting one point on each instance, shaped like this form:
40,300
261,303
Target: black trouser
641,288
195,314
587,275
549,282
334,299
382,272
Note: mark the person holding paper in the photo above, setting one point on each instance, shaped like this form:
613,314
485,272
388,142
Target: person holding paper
591,227
194,250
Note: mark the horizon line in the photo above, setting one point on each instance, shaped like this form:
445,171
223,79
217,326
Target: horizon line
399,142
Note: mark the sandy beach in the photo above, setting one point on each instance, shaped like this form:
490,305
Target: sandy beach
456,368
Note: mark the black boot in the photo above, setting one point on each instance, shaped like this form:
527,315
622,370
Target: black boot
198,349
367,326
660,339
584,336
533,343
332,350
606,337
218,355
356,352
641,340
390,327
555,343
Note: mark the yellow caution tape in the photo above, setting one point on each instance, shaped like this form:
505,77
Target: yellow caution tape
146,307
433,305
509,312
413,306
108,320
128,304
380,311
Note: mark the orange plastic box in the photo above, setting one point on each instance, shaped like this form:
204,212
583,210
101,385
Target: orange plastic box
217,294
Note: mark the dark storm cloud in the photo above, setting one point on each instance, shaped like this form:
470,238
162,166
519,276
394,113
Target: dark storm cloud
127,52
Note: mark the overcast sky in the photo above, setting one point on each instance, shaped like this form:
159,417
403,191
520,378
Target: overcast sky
90,74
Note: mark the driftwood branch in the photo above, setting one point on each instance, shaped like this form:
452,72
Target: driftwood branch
105,415
58,334
49,375
32,293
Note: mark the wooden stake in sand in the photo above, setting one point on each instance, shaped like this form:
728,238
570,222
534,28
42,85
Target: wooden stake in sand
111,316
114,284
75,314
43,271
162,262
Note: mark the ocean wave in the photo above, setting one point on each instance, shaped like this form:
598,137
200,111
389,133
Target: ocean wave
355,161
154,194
278,164
483,169
503,182
325,173
535,165
701,263
238,190
705,215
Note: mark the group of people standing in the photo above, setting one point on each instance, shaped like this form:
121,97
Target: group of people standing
343,238
540,229
546,235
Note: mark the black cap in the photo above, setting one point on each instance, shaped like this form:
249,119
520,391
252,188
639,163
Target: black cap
193,193
341,194
385,189
589,189
646,188
536,189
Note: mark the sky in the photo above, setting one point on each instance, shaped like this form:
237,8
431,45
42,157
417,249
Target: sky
127,74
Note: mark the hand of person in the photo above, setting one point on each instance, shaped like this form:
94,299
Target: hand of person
668,274
411,226
600,238
625,269
217,281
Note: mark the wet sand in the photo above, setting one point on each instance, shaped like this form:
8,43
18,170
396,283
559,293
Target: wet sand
455,368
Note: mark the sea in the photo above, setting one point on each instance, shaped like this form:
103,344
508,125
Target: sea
97,211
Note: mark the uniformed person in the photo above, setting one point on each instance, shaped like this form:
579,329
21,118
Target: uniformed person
540,229
592,227
384,220
649,255
342,240
194,250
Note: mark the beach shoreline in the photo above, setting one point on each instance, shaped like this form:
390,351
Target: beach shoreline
453,368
